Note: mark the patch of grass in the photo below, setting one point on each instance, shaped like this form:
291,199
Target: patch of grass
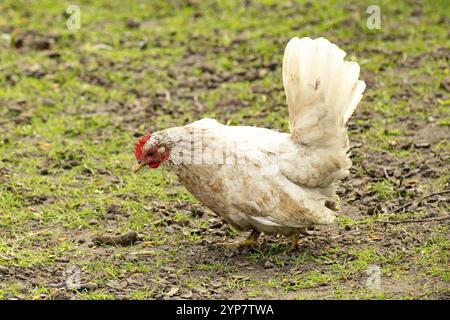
385,190
435,255
310,280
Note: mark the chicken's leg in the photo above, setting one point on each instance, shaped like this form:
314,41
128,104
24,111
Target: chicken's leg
251,241
294,242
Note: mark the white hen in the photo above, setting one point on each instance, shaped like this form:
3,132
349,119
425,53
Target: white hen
262,180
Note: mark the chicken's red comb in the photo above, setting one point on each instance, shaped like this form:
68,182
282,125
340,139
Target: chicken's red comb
139,145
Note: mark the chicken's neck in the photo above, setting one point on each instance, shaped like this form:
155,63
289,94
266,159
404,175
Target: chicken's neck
178,142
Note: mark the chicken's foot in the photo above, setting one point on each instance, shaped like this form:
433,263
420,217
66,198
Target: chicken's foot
250,242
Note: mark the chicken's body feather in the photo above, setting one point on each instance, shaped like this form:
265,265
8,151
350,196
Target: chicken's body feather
244,175
274,182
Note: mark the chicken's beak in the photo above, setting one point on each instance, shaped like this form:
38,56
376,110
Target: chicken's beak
138,166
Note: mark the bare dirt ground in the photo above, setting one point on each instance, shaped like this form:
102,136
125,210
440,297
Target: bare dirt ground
73,102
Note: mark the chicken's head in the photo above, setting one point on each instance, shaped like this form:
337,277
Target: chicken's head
149,153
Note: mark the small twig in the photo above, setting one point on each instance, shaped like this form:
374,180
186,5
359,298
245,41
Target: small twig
420,200
416,220
345,234
386,174
123,239
410,235
29,235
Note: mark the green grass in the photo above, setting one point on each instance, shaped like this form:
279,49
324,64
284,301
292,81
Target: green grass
66,137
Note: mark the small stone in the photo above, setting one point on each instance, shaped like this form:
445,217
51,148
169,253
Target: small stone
114,209
445,84
173,291
21,287
74,163
229,254
422,144
42,44
52,54
201,291
87,171
268,264
186,295
132,23
372,210
197,211
143,44
43,296
93,222
172,193
89,286
101,46
128,256
63,260
35,70
170,229
61,296
183,222
3,270
140,237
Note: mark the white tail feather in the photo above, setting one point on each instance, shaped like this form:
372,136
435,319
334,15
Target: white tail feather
322,91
